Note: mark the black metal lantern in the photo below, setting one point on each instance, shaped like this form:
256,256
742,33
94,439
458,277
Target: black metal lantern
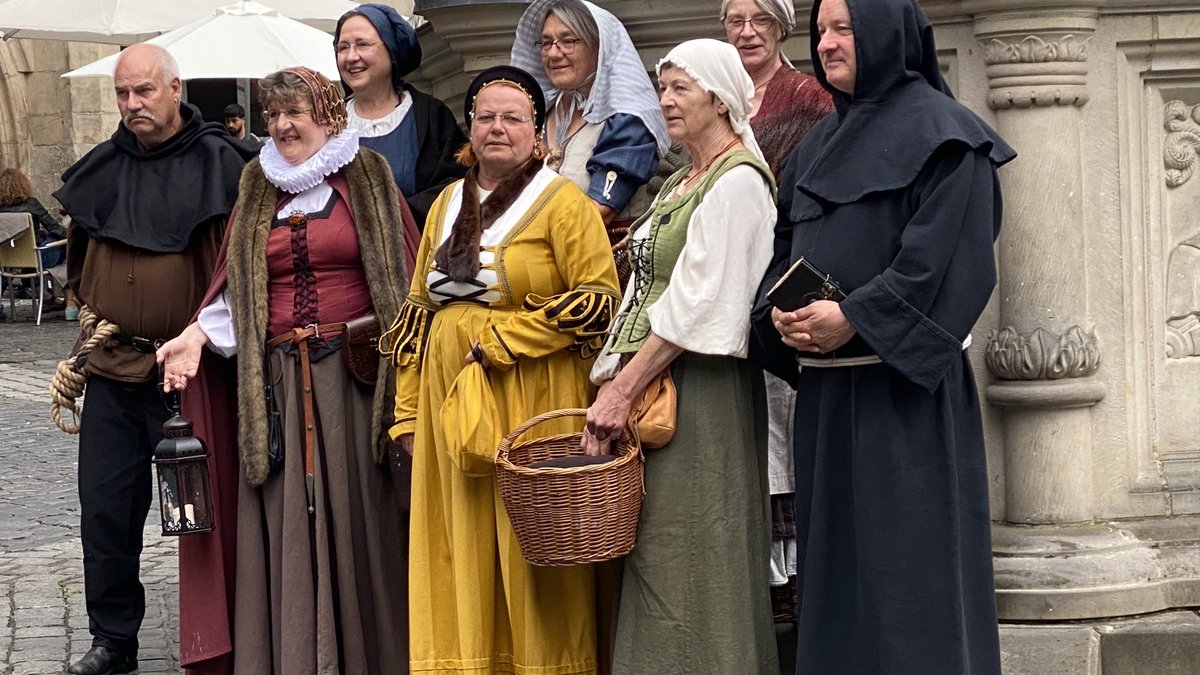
184,496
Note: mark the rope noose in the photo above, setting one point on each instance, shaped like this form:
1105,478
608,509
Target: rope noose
69,379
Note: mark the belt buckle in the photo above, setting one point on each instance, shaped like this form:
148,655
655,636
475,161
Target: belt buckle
316,331
145,345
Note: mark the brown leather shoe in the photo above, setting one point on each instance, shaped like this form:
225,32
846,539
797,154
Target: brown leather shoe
101,660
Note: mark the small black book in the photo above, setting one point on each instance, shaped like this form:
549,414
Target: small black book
803,283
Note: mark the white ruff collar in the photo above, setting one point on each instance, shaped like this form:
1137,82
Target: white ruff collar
337,152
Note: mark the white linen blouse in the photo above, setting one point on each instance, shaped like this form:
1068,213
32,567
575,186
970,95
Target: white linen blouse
706,306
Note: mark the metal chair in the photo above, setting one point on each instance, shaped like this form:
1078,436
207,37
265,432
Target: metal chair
21,252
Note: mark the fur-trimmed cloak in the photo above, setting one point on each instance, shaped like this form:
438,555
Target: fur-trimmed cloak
378,219
388,239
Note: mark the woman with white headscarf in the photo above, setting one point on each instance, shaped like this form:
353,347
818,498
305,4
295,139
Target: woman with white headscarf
694,596
604,130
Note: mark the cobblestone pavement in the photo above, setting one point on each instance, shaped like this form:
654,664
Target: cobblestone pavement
41,562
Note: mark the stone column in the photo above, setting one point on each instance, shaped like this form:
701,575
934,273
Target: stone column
1045,353
463,38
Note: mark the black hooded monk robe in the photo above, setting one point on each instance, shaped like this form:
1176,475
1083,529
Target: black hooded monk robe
896,197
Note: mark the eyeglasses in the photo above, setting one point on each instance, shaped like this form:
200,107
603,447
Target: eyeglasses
566,45
293,114
507,120
760,23
359,46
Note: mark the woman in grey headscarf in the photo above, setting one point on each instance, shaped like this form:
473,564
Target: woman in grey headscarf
694,595
604,129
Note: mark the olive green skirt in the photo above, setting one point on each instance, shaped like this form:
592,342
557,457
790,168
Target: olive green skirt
693,596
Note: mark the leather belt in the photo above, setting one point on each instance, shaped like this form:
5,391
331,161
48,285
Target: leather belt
139,344
300,337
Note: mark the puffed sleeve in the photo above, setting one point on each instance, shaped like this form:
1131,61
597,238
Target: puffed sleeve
577,319
919,311
624,158
706,306
216,320
405,340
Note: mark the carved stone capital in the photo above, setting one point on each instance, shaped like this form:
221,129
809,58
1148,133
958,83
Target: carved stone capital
1182,123
1036,49
1042,355
1037,59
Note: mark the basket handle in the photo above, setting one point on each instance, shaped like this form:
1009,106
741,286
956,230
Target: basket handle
506,444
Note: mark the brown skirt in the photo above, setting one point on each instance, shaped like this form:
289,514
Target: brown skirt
326,592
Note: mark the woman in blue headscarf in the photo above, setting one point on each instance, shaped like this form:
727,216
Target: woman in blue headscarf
416,132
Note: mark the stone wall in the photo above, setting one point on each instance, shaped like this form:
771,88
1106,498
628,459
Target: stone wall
47,121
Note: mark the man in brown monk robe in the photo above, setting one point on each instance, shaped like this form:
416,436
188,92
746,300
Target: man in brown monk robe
149,207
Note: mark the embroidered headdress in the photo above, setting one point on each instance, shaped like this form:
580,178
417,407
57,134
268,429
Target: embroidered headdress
329,105
513,77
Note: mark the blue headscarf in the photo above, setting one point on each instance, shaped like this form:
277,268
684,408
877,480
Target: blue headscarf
398,36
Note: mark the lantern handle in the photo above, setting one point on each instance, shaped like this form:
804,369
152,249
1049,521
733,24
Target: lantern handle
170,399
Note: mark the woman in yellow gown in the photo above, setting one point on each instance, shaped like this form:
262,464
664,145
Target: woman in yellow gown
513,291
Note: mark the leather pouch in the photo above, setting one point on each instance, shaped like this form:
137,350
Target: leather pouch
470,422
360,349
275,451
654,415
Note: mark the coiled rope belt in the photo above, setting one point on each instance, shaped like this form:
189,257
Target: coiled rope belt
69,379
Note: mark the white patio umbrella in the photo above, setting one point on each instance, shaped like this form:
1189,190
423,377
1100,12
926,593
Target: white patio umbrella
246,40
124,22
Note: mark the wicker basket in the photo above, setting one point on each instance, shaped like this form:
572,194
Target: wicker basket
570,516
618,239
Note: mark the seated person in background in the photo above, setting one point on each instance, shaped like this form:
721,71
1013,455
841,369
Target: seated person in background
16,196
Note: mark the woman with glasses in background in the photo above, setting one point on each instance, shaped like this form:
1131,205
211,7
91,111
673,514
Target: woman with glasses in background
512,295
604,129
787,102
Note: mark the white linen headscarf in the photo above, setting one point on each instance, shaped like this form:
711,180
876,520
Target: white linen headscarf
621,84
717,68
